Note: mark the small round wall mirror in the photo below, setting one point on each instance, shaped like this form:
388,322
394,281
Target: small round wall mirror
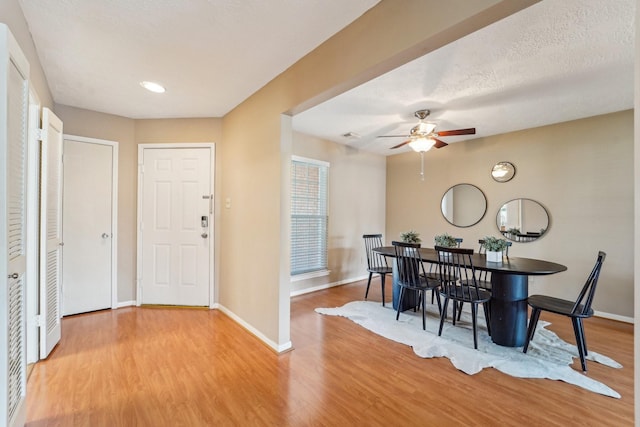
522,220
503,171
463,205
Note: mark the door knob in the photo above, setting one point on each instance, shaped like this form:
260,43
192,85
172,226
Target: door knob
13,276
204,235
105,235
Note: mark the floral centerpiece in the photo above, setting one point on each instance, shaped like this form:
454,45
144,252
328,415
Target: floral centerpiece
494,248
410,236
445,240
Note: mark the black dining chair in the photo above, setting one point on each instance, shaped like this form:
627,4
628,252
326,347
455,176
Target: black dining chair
433,274
376,263
411,276
458,283
576,310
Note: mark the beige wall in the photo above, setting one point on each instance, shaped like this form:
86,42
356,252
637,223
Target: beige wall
129,133
356,206
252,155
580,171
255,157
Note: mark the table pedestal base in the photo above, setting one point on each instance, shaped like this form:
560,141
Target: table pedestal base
509,309
411,297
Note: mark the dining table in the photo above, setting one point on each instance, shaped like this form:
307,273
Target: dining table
509,290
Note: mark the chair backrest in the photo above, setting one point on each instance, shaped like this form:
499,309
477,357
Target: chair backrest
374,259
483,250
409,264
457,273
432,267
583,303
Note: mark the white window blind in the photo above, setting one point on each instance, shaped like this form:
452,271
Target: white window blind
309,216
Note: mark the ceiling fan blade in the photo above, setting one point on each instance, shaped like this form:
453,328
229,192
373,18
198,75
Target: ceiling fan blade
469,131
439,143
401,144
393,136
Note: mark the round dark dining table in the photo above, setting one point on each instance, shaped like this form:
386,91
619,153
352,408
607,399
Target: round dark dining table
509,290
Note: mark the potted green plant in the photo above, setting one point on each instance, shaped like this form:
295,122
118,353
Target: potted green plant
410,236
445,240
494,248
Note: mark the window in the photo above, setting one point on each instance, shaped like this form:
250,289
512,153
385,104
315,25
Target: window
309,217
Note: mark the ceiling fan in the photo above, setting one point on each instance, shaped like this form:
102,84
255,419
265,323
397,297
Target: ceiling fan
423,136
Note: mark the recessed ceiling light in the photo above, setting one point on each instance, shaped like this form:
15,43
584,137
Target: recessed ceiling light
153,87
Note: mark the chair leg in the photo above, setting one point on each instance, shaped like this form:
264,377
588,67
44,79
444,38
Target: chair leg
382,277
584,338
400,302
443,315
454,306
460,310
533,321
487,316
474,320
423,296
437,294
366,294
577,330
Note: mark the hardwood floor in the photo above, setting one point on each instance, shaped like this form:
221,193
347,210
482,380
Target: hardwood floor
183,367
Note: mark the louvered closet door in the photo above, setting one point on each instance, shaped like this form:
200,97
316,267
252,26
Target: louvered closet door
50,232
14,95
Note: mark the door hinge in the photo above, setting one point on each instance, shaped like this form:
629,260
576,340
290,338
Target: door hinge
39,134
40,321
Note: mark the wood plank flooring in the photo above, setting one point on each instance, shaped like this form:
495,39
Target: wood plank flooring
182,367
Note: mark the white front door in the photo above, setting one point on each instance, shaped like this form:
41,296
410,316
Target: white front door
175,212
87,226
50,232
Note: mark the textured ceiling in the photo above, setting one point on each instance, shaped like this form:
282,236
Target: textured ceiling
555,61
209,54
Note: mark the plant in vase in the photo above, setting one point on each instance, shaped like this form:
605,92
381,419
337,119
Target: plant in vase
494,248
513,231
410,236
445,240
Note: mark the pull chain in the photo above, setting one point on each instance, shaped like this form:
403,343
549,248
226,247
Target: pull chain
422,166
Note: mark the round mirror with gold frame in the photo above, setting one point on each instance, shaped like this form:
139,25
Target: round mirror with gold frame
503,171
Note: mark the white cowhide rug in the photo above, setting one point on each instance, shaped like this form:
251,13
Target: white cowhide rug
548,356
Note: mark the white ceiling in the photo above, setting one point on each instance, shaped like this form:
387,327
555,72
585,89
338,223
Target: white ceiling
209,54
555,61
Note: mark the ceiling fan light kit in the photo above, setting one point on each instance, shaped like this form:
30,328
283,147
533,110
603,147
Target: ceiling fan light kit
423,136
422,144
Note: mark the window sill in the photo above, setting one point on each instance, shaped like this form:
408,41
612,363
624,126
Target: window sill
310,275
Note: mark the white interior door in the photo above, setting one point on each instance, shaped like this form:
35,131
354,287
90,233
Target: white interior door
175,204
14,104
87,226
50,232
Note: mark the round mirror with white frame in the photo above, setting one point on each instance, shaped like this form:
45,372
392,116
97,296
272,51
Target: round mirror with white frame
463,205
503,171
522,220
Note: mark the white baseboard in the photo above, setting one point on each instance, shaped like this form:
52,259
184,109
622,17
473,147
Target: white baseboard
278,348
326,286
126,304
617,317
